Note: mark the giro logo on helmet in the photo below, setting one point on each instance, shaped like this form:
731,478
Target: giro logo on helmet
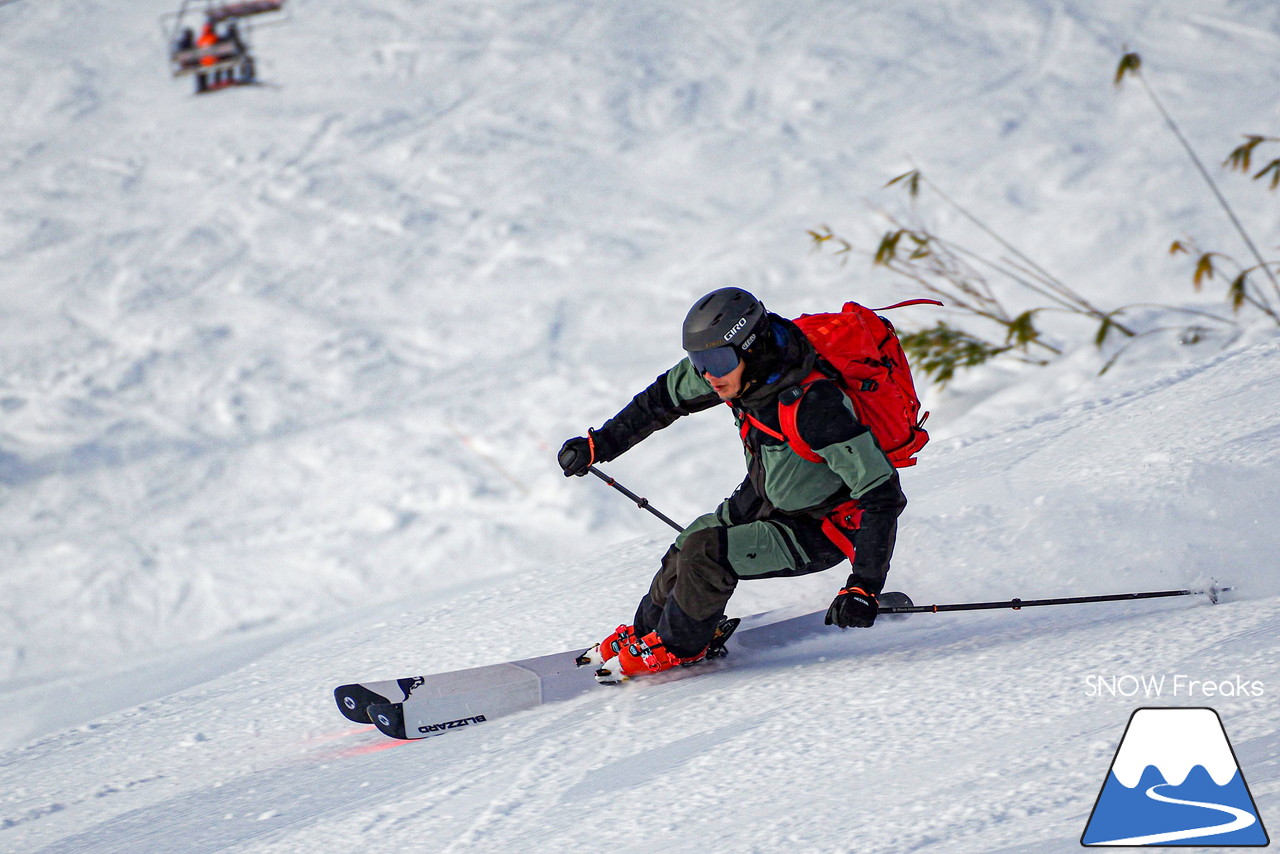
737,327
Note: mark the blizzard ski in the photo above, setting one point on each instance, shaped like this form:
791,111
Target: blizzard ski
426,706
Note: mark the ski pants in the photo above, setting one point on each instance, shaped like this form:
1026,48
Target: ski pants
687,597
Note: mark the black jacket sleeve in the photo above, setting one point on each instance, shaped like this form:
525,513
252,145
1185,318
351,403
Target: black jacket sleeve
877,534
649,411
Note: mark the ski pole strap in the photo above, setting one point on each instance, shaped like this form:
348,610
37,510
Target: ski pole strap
1019,604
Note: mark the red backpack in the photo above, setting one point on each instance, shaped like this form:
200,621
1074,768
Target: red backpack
864,348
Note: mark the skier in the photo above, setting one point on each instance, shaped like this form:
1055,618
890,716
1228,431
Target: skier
207,41
186,43
240,52
788,517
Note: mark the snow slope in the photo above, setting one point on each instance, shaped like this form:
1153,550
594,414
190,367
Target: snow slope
960,732
283,371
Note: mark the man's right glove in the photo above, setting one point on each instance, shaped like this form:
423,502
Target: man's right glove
853,607
577,455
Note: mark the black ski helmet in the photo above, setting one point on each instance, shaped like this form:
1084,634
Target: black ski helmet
722,328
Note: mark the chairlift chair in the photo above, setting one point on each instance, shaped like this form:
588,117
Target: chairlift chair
228,62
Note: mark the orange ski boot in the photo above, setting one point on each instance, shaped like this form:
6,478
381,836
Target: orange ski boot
641,657
608,648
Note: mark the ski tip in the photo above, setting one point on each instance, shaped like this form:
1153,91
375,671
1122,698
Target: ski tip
389,719
354,701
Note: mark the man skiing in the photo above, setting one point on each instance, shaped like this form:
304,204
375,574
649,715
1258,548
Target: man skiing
790,516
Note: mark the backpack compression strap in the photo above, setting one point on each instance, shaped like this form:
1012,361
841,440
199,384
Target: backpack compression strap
840,523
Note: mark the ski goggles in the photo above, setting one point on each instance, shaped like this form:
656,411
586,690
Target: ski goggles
718,361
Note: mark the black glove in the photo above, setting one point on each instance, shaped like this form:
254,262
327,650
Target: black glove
577,455
853,607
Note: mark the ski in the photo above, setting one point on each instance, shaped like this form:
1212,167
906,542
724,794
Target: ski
443,702
426,706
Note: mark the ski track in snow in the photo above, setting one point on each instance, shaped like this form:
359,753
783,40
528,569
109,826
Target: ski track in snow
283,372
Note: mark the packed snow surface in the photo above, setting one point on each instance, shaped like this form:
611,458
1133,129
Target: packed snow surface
283,371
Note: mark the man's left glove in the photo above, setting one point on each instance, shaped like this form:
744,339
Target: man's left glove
853,607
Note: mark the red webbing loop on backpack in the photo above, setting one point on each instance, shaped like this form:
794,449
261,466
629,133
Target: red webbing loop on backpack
906,303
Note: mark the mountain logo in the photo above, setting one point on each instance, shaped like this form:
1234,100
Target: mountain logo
1175,781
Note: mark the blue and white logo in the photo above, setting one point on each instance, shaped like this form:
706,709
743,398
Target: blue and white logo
1175,781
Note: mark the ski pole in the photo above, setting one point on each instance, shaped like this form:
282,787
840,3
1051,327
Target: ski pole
1012,604
642,503
1018,604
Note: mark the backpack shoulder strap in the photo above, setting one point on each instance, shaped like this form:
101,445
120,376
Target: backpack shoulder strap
788,415
788,407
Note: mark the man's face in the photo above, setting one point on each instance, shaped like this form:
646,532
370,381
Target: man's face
728,386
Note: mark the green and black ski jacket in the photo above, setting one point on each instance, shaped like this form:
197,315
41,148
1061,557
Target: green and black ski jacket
853,466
